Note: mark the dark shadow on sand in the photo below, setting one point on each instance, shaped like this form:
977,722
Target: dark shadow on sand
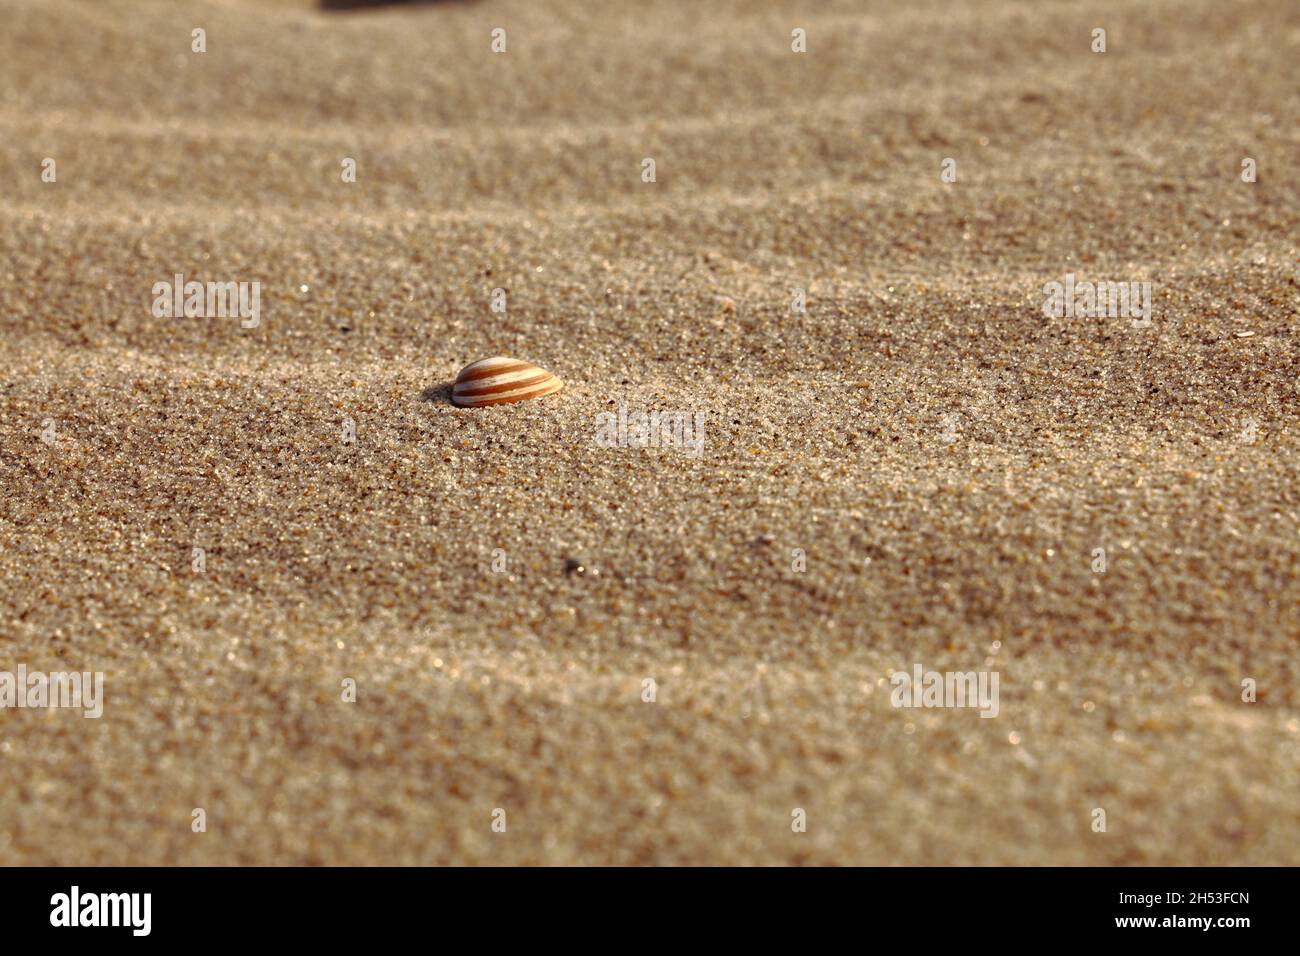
437,393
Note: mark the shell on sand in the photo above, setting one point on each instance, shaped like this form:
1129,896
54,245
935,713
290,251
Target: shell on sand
498,380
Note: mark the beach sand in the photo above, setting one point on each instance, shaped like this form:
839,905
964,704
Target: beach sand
915,470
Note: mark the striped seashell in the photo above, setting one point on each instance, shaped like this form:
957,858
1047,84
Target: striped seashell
496,381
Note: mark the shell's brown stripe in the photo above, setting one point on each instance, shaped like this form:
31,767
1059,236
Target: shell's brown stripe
478,403
506,386
500,380
491,370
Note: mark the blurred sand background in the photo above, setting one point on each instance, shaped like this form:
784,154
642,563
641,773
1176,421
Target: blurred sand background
372,560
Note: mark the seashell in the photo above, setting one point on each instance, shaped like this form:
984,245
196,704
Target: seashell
498,380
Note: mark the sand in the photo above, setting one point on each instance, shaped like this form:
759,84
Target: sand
938,456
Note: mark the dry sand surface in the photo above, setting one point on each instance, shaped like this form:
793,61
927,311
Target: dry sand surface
959,543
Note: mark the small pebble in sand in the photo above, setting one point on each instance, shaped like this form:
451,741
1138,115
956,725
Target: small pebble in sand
498,380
